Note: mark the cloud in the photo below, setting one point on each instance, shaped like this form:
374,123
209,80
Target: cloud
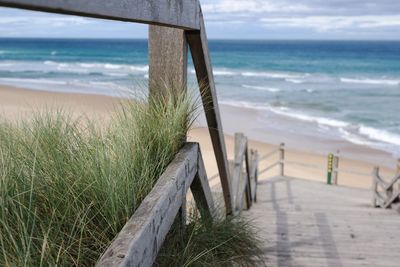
320,16
304,7
332,23
48,21
253,6
371,19
22,23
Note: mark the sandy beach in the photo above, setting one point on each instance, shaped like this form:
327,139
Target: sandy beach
16,103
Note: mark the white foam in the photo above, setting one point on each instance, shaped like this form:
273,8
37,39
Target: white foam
297,81
49,62
53,53
285,111
370,81
6,65
139,68
35,81
118,70
112,66
224,72
309,118
87,65
380,135
262,88
274,75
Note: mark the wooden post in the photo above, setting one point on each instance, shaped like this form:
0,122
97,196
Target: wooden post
330,169
335,168
256,175
282,158
398,166
375,173
168,74
198,44
398,173
167,61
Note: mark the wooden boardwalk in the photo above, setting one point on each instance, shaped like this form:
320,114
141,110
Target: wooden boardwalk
305,223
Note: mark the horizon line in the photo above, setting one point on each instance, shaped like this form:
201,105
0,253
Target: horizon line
210,39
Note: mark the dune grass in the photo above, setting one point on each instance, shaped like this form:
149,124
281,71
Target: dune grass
67,187
217,241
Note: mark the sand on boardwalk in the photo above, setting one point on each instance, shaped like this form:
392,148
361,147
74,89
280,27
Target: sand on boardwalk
16,103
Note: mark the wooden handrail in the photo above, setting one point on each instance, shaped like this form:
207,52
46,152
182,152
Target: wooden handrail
182,14
173,13
282,161
270,154
143,235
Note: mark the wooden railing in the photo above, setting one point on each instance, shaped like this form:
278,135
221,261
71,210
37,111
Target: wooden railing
141,238
143,235
183,15
139,241
385,193
332,168
244,173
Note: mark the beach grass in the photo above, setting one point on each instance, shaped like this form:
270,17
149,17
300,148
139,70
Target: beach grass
212,241
68,185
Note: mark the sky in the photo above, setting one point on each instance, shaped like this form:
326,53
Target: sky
233,19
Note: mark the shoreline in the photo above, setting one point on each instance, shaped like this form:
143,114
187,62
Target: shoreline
250,122
19,102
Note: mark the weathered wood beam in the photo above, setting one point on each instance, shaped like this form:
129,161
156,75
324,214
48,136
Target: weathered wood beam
167,60
198,44
241,196
240,149
142,236
249,197
253,174
184,14
201,190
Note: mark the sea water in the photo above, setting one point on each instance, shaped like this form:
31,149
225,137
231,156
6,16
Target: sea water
350,89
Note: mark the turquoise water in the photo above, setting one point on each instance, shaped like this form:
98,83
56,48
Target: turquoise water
347,89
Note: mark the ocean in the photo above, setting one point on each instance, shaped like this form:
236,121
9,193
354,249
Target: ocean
344,89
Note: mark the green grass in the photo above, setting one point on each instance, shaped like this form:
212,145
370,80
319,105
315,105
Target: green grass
211,242
67,187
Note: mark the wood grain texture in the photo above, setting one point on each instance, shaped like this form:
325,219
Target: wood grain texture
306,223
198,44
167,60
184,14
385,194
201,190
142,236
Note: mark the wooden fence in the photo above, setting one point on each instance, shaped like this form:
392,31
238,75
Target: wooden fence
244,171
175,26
186,17
332,167
143,235
385,194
